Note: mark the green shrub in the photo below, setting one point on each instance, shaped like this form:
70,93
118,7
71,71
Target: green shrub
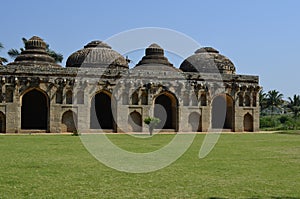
152,122
288,125
269,122
283,119
75,133
279,122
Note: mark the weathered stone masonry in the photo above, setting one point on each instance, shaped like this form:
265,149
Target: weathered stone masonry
38,95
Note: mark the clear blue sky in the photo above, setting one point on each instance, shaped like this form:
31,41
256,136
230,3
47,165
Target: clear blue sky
261,37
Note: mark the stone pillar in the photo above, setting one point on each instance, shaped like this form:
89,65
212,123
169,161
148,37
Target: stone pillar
121,118
13,117
206,118
183,116
146,113
83,119
238,119
12,110
256,114
55,114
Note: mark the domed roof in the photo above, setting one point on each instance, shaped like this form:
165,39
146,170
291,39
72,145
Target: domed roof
35,54
96,54
208,60
155,59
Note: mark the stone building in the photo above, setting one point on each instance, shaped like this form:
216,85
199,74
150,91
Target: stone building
97,91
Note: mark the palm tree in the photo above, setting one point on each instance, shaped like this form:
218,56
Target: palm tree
57,56
2,59
274,99
13,53
294,105
262,100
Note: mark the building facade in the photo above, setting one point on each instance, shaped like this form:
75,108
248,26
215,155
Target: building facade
97,91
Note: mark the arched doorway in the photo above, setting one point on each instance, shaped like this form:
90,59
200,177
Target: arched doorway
203,99
101,114
247,100
69,97
222,112
144,98
135,121
248,123
68,121
35,110
165,108
2,123
195,122
135,98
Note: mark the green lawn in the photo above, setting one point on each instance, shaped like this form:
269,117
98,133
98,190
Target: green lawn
240,166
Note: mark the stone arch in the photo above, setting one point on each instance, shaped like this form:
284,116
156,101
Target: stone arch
254,101
69,97
68,121
2,122
135,98
144,98
135,121
9,94
222,112
59,96
35,110
248,122
241,99
1,97
166,109
101,112
195,122
203,99
247,100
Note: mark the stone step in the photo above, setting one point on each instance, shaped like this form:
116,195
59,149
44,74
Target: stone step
220,130
100,131
32,131
164,130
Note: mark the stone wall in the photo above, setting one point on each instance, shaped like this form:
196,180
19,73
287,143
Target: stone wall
184,88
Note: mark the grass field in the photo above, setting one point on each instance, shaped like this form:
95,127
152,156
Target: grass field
240,166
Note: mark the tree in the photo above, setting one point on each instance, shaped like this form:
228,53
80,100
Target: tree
262,100
13,53
2,59
274,99
152,122
56,56
294,105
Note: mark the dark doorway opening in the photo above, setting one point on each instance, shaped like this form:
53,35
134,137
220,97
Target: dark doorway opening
2,123
222,112
34,111
69,121
248,123
165,109
101,113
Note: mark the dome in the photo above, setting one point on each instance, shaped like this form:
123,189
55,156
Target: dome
208,60
96,54
35,54
155,59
